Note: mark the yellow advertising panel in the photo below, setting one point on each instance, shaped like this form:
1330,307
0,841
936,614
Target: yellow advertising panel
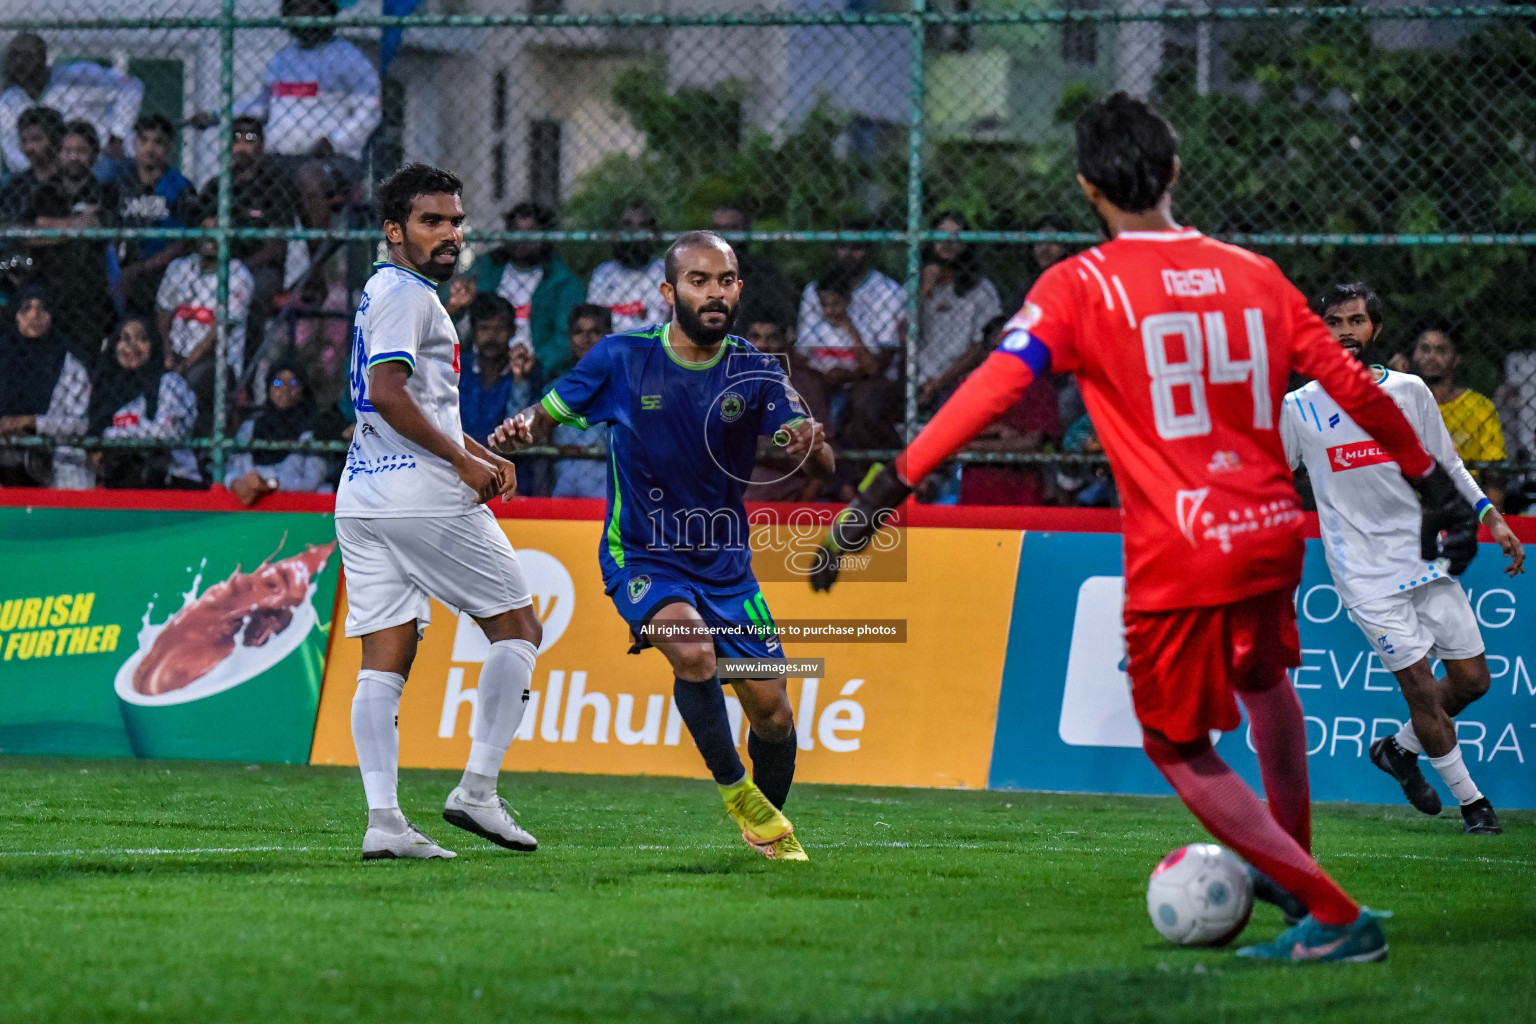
918,713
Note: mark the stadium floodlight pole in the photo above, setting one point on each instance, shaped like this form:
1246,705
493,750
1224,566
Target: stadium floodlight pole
919,28
226,186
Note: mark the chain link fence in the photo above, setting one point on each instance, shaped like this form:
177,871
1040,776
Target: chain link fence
186,222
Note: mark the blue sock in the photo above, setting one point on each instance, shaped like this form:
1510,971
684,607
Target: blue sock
773,765
702,706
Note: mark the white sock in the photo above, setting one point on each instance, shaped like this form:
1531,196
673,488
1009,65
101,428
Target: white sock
504,682
1453,772
1408,739
375,733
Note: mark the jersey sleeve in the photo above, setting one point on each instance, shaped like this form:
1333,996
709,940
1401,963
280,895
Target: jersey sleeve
395,325
1041,337
1289,436
781,404
588,394
1315,354
1437,441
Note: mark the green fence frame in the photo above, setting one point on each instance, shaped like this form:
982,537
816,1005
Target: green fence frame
918,18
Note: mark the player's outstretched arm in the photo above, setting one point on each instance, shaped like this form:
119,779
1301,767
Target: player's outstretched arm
386,389
532,426
986,394
807,445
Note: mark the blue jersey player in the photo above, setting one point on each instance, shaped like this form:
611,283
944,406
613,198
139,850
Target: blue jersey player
686,404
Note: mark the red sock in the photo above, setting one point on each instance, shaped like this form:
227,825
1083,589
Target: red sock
1280,736
1232,813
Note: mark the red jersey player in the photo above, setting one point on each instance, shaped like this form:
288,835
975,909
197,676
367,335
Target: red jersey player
1182,347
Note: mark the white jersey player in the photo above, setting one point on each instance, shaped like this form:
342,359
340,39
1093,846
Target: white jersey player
412,522
1409,610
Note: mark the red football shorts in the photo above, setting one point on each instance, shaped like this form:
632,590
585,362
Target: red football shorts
1187,665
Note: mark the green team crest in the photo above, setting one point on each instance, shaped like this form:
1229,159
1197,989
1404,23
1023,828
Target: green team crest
638,585
732,406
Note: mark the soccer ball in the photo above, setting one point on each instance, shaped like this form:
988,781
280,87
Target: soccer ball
1200,895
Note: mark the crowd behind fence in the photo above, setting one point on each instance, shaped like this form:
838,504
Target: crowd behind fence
186,224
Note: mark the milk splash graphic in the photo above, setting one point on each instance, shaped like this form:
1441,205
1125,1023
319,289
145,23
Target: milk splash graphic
234,631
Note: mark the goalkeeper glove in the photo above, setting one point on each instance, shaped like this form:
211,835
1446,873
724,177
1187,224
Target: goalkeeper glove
1445,511
874,505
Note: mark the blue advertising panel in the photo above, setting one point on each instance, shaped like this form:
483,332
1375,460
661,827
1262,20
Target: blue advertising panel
1065,720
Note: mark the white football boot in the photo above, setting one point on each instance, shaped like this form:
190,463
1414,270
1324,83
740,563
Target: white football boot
487,820
410,844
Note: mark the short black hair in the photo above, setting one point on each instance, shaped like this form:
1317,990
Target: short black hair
398,192
540,214
836,282
591,311
490,306
154,123
246,122
688,240
1438,326
85,130
46,118
1336,295
1127,150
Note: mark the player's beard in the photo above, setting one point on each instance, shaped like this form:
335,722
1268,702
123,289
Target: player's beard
692,322
426,263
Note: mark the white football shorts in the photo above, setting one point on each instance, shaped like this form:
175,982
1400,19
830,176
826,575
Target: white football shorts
392,565
1435,619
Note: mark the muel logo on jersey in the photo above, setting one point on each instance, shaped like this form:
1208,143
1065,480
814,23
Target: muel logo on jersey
732,406
1353,456
638,585
1333,420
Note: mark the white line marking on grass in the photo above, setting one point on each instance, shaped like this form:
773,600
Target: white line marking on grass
155,851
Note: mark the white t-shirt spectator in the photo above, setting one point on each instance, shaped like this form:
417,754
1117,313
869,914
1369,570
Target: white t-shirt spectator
517,287
832,348
187,292
79,91
878,302
634,296
328,92
952,324
175,412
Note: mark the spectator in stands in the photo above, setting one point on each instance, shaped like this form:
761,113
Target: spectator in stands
777,477
153,195
320,96
630,283
261,196
288,415
541,288
503,374
766,294
1047,254
1084,485
44,390
878,302
41,130
134,395
1032,425
79,91
1470,417
576,477
73,271
855,361
958,302
185,305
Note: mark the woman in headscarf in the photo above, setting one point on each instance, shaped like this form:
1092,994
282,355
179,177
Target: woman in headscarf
289,415
44,390
133,395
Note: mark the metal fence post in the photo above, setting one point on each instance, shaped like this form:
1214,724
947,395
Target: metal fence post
226,186
914,219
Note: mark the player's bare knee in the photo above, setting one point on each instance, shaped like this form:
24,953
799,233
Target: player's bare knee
1469,678
694,662
776,725
517,624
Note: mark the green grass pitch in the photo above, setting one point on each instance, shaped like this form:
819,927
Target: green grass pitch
159,891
